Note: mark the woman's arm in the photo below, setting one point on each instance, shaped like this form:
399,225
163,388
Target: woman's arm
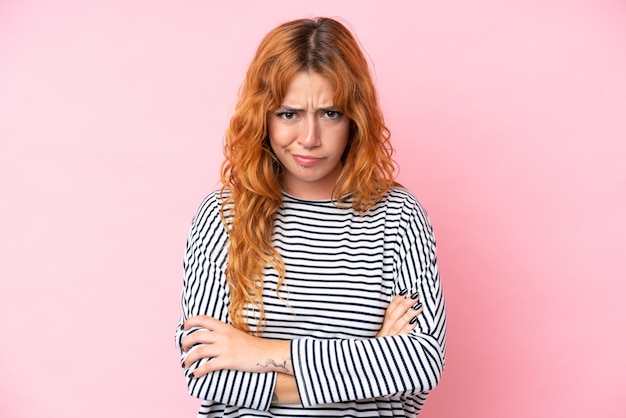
339,370
229,348
400,318
286,390
205,292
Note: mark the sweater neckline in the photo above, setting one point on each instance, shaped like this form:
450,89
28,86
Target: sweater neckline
300,199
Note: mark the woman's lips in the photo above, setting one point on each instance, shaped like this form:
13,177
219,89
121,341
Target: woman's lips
305,161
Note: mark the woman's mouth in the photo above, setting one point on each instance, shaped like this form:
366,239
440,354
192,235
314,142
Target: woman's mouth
306,161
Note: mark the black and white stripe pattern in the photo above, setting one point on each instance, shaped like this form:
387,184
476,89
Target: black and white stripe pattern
342,270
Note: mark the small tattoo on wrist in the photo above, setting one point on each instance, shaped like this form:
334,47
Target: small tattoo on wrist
282,366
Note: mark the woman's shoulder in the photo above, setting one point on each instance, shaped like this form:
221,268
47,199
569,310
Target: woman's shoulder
211,201
210,206
404,204
399,195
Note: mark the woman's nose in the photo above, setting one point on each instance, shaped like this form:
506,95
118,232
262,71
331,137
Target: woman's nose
309,137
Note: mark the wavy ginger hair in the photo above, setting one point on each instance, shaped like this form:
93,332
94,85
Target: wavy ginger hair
251,191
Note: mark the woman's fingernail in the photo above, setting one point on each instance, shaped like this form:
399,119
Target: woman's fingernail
417,306
191,375
413,320
415,295
404,292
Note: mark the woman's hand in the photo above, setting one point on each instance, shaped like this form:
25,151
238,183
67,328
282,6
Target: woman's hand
227,347
401,315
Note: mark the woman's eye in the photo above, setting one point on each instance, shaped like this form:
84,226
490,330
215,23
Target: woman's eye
287,115
332,114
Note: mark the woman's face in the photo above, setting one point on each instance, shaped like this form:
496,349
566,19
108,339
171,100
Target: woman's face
309,135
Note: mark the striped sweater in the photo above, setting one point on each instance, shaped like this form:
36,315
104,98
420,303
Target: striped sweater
342,270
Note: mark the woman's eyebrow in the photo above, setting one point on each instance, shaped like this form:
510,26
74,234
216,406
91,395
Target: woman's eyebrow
284,108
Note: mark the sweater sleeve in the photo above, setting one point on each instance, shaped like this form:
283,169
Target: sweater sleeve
339,370
205,292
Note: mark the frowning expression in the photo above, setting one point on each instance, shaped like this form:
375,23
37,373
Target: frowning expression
308,136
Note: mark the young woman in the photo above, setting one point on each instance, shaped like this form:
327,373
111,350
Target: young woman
311,285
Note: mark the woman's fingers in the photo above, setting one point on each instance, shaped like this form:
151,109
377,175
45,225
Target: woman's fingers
410,318
401,315
201,342
200,336
202,321
208,330
399,307
209,341
199,352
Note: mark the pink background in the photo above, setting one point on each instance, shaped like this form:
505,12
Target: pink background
509,119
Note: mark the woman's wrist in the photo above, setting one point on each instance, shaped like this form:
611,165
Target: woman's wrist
275,356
